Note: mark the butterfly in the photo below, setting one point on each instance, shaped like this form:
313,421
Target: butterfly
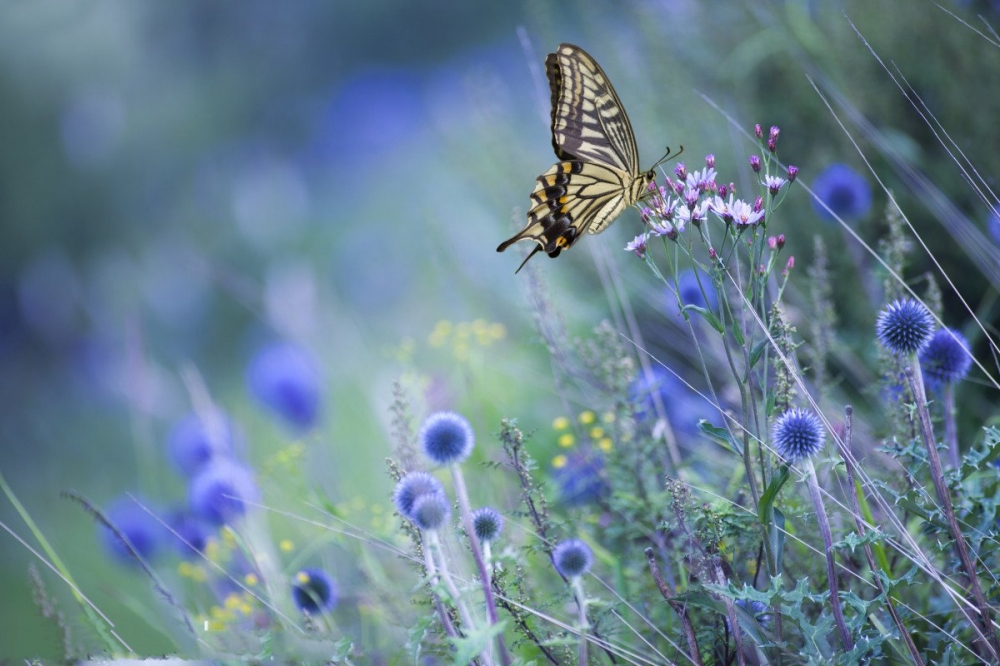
597,175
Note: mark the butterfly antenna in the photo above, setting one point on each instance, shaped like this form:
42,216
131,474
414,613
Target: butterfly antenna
669,156
537,248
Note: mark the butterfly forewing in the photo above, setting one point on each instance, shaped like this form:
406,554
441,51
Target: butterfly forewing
588,120
598,176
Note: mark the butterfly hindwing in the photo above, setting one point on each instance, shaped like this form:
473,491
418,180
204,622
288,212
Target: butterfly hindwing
598,175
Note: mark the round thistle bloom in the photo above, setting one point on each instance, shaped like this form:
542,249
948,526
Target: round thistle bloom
412,486
314,592
431,511
191,533
904,326
946,358
572,558
194,441
284,378
798,434
219,493
488,523
844,191
446,438
142,530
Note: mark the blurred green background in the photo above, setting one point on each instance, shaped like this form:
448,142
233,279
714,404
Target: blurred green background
182,181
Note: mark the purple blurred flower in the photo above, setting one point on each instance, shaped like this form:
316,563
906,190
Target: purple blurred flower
581,479
285,379
144,532
191,533
946,359
194,441
219,493
844,191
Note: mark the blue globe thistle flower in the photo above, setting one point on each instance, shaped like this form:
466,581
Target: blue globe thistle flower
572,558
192,533
314,592
798,434
904,326
430,512
284,378
446,438
194,441
690,291
412,486
844,190
220,492
488,523
946,359
143,531
581,480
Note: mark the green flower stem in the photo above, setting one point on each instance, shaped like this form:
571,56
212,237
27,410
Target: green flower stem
950,431
831,568
432,577
432,547
477,554
982,621
581,604
859,523
101,624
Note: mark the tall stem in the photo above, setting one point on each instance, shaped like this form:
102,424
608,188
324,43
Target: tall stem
831,569
859,523
477,554
981,623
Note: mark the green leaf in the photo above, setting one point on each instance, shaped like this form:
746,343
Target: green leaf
771,494
707,315
757,352
738,333
720,435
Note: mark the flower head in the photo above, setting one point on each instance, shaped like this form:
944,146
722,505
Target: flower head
744,215
793,171
488,523
220,492
430,511
191,533
904,326
844,191
774,184
946,359
314,592
579,479
285,379
637,245
446,438
144,532
412,486
755,163
572,558
798,434
195,440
